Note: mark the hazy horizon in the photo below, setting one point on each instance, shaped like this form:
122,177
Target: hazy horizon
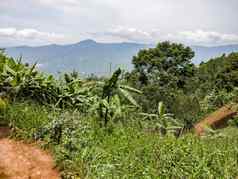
101,42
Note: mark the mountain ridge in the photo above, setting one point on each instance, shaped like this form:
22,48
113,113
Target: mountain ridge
89,56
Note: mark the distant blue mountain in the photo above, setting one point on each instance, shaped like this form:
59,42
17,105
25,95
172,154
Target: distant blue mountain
89,56
86,56
205,53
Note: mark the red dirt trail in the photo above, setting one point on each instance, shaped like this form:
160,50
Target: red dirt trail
24,161
217,119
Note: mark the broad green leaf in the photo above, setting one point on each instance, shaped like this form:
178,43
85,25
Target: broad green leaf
128,97
161,108
128,88
105,103
9,70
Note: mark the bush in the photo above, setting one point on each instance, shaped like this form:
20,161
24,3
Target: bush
26,118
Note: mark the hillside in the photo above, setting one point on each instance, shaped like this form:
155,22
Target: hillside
138,125
86,56
92,57
205,53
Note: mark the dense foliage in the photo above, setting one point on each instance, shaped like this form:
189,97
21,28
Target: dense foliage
107,128
165,73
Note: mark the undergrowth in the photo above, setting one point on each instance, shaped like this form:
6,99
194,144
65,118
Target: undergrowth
107,128
86,150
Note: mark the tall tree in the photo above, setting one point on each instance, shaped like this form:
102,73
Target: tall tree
160,72
167,64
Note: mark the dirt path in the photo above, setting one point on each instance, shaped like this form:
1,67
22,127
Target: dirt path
24,161
217,119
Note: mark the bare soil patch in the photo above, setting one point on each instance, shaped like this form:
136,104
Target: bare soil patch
24,161
217,119
4,132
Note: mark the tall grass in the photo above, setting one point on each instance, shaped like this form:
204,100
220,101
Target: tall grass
26,117
88,151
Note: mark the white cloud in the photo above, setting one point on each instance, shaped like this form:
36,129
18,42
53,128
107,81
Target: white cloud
28,33
58,2
7,31
132,34
204,37
197,37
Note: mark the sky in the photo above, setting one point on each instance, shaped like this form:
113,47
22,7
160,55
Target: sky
193,22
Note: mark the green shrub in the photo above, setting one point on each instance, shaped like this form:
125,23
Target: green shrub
26,118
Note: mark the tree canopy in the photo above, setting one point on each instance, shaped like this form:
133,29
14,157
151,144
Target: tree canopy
168,64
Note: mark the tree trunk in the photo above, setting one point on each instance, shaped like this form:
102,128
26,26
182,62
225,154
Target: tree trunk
106,114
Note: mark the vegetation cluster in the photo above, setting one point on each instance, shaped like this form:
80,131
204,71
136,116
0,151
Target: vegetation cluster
136,124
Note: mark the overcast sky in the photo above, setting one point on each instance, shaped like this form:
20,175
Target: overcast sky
194,22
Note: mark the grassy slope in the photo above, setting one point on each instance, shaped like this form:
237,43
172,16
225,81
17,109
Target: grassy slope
125,151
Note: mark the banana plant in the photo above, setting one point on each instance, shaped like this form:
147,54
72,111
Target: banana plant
74,92
163,121
19,80
113,90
